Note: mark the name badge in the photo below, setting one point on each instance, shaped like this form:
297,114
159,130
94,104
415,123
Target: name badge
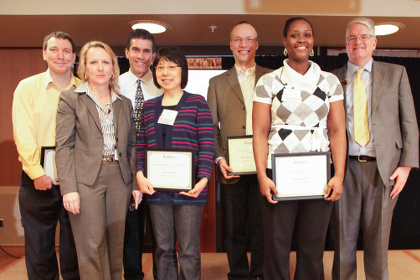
291,95
168,117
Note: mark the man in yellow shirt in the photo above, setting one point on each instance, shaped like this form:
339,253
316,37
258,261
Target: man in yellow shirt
34,111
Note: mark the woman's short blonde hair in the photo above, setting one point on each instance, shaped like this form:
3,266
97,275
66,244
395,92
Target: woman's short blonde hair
81,69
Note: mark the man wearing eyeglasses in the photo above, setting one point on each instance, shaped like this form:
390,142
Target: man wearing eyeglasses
383,146
230,98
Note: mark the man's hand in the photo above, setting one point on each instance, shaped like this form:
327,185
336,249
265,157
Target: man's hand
401,176
44,183
224,168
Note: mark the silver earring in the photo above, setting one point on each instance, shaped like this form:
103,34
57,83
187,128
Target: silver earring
312,53
285,52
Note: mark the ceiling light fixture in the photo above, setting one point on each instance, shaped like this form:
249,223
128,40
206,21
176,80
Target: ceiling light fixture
387,28
154,27
213,27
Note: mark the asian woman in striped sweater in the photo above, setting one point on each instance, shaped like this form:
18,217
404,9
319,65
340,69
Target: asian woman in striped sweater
172,213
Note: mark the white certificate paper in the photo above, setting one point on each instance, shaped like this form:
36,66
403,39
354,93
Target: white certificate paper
170,170
301,175
240,155
48,162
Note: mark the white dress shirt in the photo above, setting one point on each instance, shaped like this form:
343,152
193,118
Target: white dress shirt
128,86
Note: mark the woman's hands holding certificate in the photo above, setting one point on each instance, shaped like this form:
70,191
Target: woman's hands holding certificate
198,188
334,189
144,184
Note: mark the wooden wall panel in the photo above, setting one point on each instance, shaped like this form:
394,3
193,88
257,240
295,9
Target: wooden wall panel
16,64
208,219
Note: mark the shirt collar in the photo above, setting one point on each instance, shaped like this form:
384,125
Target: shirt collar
48,80
148,78
84,88
145,79
242,75
293,78
351,68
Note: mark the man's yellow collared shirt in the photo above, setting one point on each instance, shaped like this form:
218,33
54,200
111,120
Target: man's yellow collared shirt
34,113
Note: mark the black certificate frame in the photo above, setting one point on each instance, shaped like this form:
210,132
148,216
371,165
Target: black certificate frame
167,152
46,165
229,157
300,156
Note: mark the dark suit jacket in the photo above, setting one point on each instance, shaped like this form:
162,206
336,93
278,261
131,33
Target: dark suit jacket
79,140
227,107
394,123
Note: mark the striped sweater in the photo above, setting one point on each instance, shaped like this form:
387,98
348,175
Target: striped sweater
193,130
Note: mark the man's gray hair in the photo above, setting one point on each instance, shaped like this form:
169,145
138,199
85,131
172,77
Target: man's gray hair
365,21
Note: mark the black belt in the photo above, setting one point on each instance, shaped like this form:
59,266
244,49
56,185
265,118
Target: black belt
363,158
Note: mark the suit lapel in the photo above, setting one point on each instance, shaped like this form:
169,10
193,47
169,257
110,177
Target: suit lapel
378,78
259,71
90,104
341,75
232,80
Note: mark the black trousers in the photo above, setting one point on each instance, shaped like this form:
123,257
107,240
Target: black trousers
40,212
308,220
240,202
134,242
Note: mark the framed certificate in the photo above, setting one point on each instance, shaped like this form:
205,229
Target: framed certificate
240,155
48,162
301,175
170,170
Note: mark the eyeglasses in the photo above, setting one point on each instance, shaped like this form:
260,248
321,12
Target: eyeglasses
363,38
170,68
247,40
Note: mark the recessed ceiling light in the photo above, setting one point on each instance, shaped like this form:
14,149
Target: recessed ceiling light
387,28
153,27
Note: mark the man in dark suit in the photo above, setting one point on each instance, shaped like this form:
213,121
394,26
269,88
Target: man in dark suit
230,97
383,147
